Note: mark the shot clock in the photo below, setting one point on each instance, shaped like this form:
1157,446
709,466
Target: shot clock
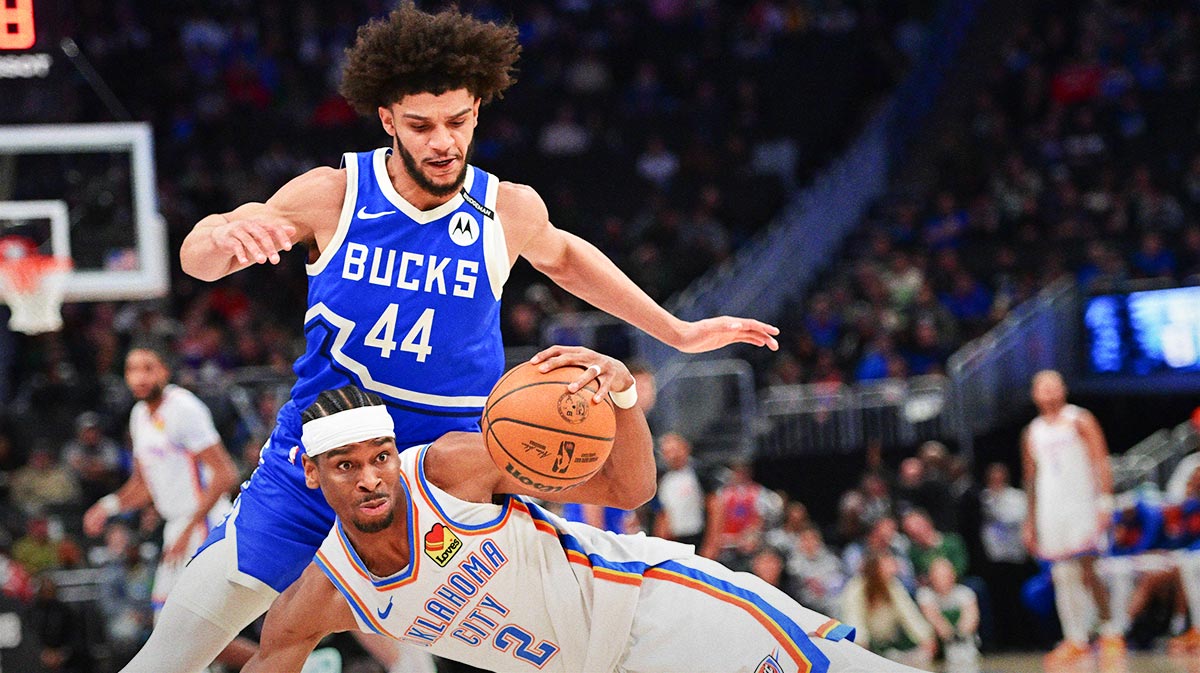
19,29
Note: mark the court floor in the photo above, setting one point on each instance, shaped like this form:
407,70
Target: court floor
1136,662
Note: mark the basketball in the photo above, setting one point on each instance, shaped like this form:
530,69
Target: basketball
542,435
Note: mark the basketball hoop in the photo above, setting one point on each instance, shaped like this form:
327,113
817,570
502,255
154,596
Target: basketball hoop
33,286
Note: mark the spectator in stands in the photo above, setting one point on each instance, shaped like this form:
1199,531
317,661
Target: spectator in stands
769,565
927,309
823,325
1153,259
884,538
969,301
850,525
786,535
877,500
873,363
1004,509
59,631
916,489
925,354
903,280
126,582
935,458
928,543
38,552
947,225
9,464
1189,252
657,164
1005,564
95,459
964,493
739,509
887,620
818,573
953,612
43,483
681,500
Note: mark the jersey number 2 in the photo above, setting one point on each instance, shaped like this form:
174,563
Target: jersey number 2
514,635
383,334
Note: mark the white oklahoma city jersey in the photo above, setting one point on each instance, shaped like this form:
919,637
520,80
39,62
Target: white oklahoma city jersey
1066,486
513,587
165,444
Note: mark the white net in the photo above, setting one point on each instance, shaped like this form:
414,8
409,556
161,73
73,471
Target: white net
33,287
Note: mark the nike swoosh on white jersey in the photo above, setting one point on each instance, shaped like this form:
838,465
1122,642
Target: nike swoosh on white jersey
364,215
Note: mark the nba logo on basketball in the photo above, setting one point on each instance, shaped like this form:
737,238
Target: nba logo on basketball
769,665
441,544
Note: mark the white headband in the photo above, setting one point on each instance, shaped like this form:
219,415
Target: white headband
346,427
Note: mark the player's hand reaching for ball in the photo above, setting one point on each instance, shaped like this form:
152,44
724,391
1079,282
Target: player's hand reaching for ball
610,373
713,333
254,240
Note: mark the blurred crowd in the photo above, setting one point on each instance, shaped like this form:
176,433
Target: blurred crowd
1081,156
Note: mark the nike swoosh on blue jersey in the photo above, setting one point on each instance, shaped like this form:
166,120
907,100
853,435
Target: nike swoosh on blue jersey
383,614
364,215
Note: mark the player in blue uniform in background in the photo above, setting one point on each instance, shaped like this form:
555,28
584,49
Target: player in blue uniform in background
409,247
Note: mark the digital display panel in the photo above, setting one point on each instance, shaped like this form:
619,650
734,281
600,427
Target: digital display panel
1143,334
18,30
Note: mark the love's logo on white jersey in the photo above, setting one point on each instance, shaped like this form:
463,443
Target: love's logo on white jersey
441,544
464,229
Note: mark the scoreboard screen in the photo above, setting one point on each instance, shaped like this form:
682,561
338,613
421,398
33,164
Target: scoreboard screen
1150,334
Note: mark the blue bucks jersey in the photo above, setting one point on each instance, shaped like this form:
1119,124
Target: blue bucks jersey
406,304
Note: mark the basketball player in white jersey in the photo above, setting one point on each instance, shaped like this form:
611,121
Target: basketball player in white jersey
409,248
436,548
1068,481
180,467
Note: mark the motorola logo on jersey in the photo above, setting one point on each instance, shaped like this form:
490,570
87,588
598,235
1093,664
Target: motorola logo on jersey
441,544
464,229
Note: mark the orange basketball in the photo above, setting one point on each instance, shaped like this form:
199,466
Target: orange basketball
543,436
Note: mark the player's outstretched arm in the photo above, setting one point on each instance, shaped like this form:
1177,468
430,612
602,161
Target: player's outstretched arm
305,210
308,611
581,269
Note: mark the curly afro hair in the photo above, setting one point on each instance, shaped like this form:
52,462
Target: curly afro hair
412,51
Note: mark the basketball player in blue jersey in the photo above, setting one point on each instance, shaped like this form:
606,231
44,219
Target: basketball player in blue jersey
436,547
409,248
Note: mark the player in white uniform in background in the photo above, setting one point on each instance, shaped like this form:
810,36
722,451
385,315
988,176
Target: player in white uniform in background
1068,481
428,549
180,467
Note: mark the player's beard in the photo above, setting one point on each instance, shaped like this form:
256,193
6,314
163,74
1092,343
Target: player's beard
414,171
154,395
375,525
